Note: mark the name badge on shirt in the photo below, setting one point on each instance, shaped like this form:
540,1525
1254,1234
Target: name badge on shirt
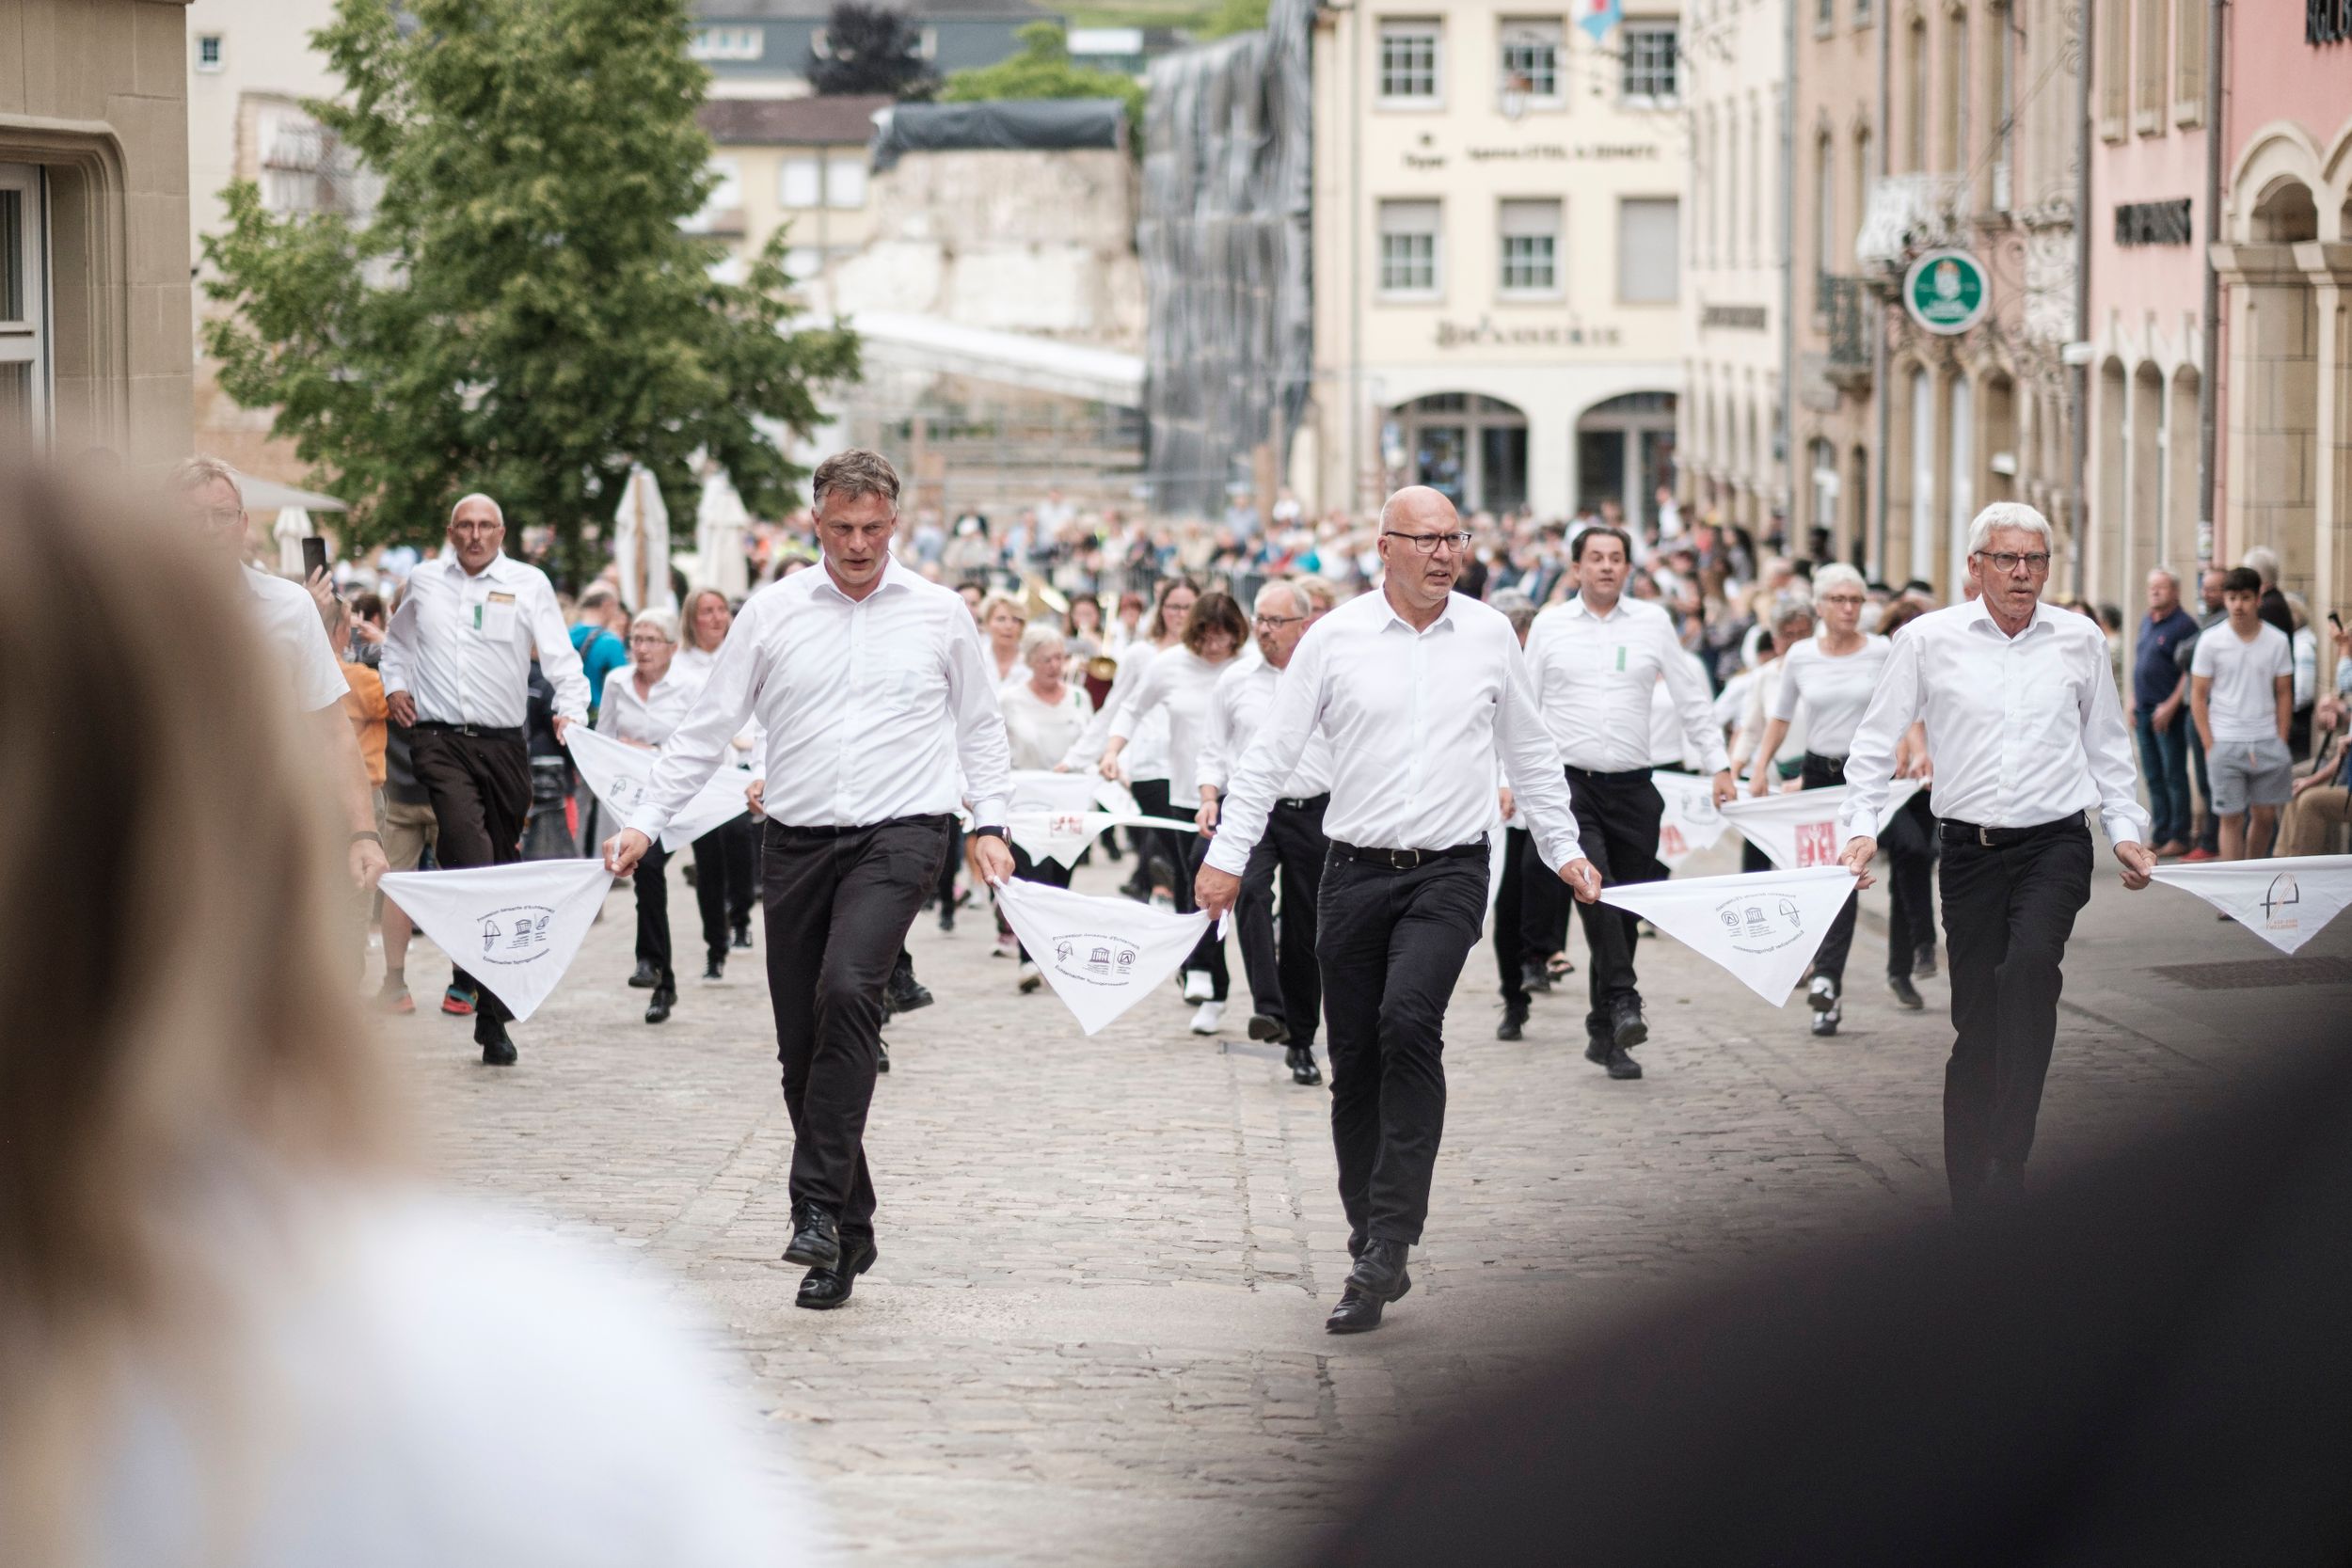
495,617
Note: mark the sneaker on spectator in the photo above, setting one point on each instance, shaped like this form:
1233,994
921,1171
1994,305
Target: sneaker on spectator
458,1002
2198,854
394,998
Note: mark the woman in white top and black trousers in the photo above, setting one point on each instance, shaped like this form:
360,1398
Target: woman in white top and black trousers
1145,759
726,886
1044,716
1180,682
1833,673
643,701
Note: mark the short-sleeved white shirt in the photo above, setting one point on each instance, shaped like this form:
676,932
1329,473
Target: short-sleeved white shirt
289,619
2243,703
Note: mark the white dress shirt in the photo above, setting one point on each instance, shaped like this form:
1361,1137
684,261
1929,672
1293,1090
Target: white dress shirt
289,621
1835,691
1179,682
1669,746
1146,756
868,705
2021,730
1593,675
651,719
693,665
1238,705
1040,736
460,644
1418,722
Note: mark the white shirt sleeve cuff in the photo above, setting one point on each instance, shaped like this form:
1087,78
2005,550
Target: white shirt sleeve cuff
2122,828
988,812
1227,859
1559,848
649,823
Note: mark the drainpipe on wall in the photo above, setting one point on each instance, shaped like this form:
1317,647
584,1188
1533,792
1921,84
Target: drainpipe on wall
2081,374
2208,399
1878,149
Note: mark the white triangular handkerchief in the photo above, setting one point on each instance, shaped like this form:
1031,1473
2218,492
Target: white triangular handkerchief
1799,830
1053,815
617,773
2284,902
1691,822
513,928
1764,926
1102,955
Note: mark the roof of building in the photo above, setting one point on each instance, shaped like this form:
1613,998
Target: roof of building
846,120
817,10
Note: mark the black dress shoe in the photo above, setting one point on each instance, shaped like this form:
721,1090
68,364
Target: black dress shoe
1301,1059
1627,1027
1355,1314
825,1288
497,1049
816,1239
1264,1026
905,993
646,977
1608,1054
1514,1020
658,1011
716,969
1906,994
743,938
1379,1272
882,1051
1534,977
1923,962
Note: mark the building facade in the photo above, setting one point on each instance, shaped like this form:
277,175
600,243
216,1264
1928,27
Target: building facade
94,302
1497,257
761,48
1732,443
795,164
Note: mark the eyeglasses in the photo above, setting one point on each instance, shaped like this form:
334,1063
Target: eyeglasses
647,640
1427,542
2005,561
1842,598
477,525
1267,623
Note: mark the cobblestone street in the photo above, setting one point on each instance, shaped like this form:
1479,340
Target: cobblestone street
1094,1334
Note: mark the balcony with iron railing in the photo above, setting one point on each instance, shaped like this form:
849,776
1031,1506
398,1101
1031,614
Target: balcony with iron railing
1844,308
1907,214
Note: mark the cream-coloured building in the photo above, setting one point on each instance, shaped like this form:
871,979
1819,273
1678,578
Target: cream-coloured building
94,305
1497,271
796,161
1735,82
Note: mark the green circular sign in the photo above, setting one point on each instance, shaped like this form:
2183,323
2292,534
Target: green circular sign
1947,291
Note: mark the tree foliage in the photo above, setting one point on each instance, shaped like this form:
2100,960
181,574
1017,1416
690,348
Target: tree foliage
522,313
1232,16
1044,70
872,48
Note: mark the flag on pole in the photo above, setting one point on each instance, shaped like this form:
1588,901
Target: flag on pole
1102,955
1692,822
515,928
2285,902
618,773
1764,926
1799,830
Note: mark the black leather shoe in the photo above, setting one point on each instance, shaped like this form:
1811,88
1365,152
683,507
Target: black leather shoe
816,1239
743,938
1906,994
716,969
1264,1026
659,1010
1514,1020
1596,1048
825,1288
906,993
881,1049
1355,1314
1627,1027
1534,977
497,1049
646,977
1301,1060
1379,1272
1923,962
1608,1054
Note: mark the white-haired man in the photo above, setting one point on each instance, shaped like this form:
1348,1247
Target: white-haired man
1285,983
288,618
457,674
2024,732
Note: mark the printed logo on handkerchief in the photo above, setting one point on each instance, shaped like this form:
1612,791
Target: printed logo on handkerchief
1095,959
1760,924
515,935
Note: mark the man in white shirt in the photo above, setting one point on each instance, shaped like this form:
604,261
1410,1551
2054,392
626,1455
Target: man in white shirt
2024,732
1596,662
288,619
1284,982
1420,692
871,688
457,674
2242,692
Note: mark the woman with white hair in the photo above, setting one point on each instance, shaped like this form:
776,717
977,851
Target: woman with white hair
643,701
1831,676
1044,716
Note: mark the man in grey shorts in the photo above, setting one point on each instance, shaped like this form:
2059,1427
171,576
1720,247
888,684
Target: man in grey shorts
2242,690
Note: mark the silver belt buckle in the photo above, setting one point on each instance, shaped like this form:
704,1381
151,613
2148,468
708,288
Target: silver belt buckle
1403,859
1984,836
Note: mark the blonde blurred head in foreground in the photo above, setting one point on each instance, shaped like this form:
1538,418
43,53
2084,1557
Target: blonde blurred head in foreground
233,1328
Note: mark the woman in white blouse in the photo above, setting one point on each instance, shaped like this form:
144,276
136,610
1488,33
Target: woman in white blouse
726,888
1001,625
1179,683
1044,716
1832,675
1145,760
643,701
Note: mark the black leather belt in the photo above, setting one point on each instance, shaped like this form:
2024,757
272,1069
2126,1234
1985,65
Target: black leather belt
484,732
1407,860
1957,831
1576,772
1306,802
789,830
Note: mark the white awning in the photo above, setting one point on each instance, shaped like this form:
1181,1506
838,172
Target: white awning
1008,358
267,494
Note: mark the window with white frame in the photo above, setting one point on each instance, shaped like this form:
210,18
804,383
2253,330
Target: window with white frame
1650,265
728,44
1652,59
1408,247
844,181
23,308
1408,61
1530,234
1531,59
800,181
207,52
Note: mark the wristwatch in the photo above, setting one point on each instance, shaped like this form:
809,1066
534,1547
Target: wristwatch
997,833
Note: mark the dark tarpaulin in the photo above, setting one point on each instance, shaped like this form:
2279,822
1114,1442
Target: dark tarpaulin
1224,243
1005,125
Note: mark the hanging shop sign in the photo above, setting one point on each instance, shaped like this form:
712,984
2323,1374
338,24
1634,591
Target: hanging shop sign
1947,292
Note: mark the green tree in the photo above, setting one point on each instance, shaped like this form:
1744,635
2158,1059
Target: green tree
1232,16
1043,69
870,49
522,313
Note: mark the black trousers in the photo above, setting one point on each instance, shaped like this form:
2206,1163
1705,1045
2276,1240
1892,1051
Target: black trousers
723,888
1044,873
481,790
1392,944
1823,772
653,913
1909,845
1208,953
1161,843
838,907
1510,918
1285,982
2007,914
1616,826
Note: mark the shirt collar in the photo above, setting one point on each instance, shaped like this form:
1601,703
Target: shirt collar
495,571
1582,607
1979,614
894,574
1444,622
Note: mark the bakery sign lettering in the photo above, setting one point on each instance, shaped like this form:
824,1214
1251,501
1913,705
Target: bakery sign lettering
1485,333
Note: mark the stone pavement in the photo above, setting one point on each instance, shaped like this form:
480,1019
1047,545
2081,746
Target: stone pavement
1094,1333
